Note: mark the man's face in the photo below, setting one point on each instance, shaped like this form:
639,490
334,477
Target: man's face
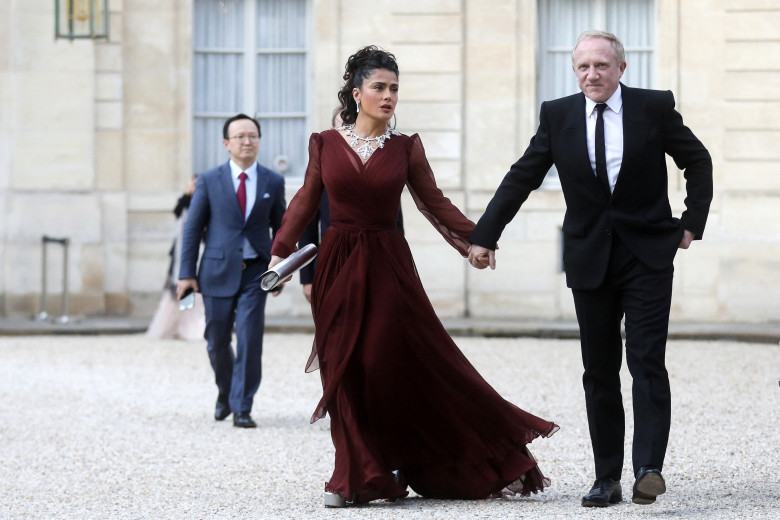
243,142
598,72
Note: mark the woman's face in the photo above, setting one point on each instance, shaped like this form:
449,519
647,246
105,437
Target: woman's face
378,95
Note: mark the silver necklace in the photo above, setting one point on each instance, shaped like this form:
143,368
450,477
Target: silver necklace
365,149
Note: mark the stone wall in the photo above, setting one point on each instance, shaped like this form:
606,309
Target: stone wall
94,140
95,146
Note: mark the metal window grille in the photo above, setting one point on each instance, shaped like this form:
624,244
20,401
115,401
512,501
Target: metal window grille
81,19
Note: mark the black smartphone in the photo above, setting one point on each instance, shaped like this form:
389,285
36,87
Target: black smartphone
187,301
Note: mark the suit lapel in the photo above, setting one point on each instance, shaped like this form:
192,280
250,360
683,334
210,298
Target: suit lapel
229,192
634,137
577,130
262,183
575,126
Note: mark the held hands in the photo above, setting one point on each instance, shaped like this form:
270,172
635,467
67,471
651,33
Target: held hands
481,257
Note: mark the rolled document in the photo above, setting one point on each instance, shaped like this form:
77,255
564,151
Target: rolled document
272,278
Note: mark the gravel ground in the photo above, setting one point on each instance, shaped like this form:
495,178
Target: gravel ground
121,427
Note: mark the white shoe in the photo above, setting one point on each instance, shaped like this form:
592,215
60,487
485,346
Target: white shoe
334,500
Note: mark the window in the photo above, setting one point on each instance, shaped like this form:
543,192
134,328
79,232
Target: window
561,21
250,56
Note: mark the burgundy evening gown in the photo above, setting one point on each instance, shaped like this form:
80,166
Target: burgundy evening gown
399,392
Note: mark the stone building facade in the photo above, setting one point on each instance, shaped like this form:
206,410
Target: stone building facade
96,142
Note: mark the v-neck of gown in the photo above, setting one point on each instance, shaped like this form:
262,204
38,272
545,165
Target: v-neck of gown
360,158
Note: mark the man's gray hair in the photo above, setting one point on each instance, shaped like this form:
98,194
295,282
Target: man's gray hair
617,47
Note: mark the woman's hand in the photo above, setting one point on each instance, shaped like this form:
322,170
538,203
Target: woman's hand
275,260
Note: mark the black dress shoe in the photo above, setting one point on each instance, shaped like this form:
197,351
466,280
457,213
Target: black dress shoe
221,410
604,492
649,484
244,420
400,478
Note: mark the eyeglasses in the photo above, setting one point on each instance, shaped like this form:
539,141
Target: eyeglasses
241,138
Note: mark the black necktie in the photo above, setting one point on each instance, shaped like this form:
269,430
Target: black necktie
601,148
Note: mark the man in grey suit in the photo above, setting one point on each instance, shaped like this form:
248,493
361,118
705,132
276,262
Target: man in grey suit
609,144
238,208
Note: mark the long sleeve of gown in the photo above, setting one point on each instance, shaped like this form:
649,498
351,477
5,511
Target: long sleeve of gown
304,204
438,209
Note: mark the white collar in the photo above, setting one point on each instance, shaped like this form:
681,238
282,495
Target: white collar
235,170
615,102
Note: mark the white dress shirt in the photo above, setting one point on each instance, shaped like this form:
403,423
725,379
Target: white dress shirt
251,195
613,134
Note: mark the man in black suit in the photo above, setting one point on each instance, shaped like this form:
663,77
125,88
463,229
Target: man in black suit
609,144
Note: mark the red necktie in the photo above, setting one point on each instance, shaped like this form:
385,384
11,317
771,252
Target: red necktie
241,194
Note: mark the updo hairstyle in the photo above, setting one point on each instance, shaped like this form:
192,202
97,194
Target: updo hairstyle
358,68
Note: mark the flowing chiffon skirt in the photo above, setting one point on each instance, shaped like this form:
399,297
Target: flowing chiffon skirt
400,394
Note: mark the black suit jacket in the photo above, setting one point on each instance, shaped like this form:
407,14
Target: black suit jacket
638,209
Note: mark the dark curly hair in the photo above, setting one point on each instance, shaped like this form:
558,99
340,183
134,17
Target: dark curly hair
358,68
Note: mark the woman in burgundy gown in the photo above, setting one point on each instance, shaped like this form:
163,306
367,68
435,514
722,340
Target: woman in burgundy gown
406,406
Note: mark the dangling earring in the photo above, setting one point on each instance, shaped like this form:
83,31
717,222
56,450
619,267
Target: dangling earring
357,104
394,120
